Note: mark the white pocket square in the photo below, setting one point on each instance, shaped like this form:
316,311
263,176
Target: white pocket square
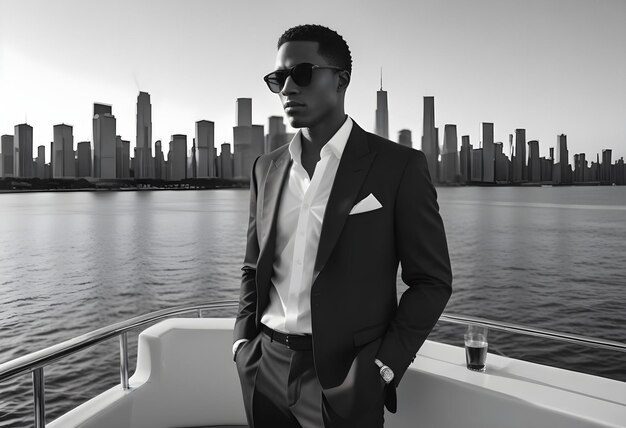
368,203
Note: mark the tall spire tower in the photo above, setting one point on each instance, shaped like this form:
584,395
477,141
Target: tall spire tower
382,112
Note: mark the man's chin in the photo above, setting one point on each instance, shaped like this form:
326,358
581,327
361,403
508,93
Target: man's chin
298,122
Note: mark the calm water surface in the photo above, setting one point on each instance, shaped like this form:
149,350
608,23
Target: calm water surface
73,262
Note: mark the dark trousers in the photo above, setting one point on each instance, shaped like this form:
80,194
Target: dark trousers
280,389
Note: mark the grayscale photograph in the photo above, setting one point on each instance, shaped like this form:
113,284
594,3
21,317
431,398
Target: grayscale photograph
323,214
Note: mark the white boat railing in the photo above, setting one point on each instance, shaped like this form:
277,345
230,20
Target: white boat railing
36,361
537,332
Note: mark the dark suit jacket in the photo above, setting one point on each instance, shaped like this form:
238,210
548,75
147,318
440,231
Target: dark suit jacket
353,296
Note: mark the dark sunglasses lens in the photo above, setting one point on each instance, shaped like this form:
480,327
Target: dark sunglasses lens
302,74
275,81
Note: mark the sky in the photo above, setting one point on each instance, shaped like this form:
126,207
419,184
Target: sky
549,66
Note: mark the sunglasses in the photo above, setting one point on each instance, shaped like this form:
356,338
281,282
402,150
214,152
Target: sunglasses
300,73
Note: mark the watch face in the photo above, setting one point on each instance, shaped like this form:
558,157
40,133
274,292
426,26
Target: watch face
387,374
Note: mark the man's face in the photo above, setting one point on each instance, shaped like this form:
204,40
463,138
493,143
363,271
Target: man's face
320,97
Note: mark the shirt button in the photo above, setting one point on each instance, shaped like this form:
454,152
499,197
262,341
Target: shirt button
305,206
299,262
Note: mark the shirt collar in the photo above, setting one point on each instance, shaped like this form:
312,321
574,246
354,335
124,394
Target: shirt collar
334,146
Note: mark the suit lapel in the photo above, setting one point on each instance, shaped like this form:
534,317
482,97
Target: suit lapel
354,165
267,211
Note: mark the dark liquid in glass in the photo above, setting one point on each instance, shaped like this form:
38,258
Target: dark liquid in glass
476,354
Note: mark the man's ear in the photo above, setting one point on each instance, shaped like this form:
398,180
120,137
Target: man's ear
344,81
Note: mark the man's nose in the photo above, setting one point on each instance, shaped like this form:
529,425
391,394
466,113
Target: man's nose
290,86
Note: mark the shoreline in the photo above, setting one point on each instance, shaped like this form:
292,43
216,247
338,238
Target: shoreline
31,185
129,189
234,186
28,185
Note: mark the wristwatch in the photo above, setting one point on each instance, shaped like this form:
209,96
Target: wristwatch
385,371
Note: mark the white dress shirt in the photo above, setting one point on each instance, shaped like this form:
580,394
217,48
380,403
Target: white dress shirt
298,227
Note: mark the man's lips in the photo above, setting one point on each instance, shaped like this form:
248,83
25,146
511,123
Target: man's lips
293,104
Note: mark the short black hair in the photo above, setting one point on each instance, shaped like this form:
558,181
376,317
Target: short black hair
331,45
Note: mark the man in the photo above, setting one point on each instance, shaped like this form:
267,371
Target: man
320,338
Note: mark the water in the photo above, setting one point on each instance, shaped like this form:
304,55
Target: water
73,262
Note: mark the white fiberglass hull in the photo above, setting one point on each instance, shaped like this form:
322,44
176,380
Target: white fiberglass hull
186,377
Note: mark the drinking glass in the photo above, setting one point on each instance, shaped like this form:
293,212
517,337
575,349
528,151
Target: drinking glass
476,347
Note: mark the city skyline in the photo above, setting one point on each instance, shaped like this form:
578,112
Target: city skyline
381,128
486,164
552,69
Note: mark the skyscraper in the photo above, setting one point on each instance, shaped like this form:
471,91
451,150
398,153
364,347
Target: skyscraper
519,162
382,112
122,155
101,109
430,143
561,165
620,171
405,138
40,163
502,163
177,157
84,159
143,159
489,153
226,162
277,134
605,167
23,151
580,168
6,157
465,159
104,142
63,156
243,111
248,139
449,155
477,165
159,162
205,143
534,165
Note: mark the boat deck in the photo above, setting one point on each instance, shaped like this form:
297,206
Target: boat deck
174,387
